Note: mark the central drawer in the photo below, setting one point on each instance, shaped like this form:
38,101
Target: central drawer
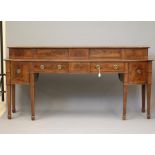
107,67
52,67
79,67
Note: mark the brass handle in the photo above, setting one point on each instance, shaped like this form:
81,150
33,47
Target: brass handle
59,67
115,66
98,67
18,71
42,67
139,71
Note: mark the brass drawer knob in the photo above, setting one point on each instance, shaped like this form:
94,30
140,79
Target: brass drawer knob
42,67
18,71
116,66
59,67
98,67
139,71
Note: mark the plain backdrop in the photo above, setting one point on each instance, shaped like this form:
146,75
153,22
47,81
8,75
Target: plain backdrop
81,103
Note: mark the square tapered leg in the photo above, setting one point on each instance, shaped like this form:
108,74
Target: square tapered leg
125,93
32,95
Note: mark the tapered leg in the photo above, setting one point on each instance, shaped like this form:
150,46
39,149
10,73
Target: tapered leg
148,101
125,93
9,100
32,95
13,99
143,98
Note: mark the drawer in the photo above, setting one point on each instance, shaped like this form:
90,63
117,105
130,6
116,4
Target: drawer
78,53
80,67
55,67
18,53
105,53
19,72
107,67
137,72
135,53
46,53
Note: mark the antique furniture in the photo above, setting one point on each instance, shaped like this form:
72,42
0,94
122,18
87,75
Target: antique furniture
131,64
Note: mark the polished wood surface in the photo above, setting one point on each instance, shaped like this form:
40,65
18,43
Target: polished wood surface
13,98
85,53
32,95
148,101
131,64
125,94
143,98
8,87
79,67
108,67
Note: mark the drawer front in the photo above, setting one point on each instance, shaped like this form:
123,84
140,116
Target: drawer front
105,53
80,67
107,67
137,72
18,53
78,53
51,53
19,72
50,67
135,53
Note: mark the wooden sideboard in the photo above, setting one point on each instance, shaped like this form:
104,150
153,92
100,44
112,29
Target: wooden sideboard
131,64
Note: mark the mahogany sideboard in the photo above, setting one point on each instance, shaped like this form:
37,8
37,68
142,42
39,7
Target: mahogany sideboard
131,64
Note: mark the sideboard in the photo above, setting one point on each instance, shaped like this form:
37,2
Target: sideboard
130,63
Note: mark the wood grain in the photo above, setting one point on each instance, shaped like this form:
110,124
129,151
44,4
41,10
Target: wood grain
132,64
125,94
143,98
105,53
13,98
137,72
32,95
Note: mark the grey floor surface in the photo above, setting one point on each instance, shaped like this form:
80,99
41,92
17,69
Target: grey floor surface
78,105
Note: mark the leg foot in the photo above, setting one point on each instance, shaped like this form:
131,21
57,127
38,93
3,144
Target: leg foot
124,117
32,118
143,110
9,116
148,116
13,110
